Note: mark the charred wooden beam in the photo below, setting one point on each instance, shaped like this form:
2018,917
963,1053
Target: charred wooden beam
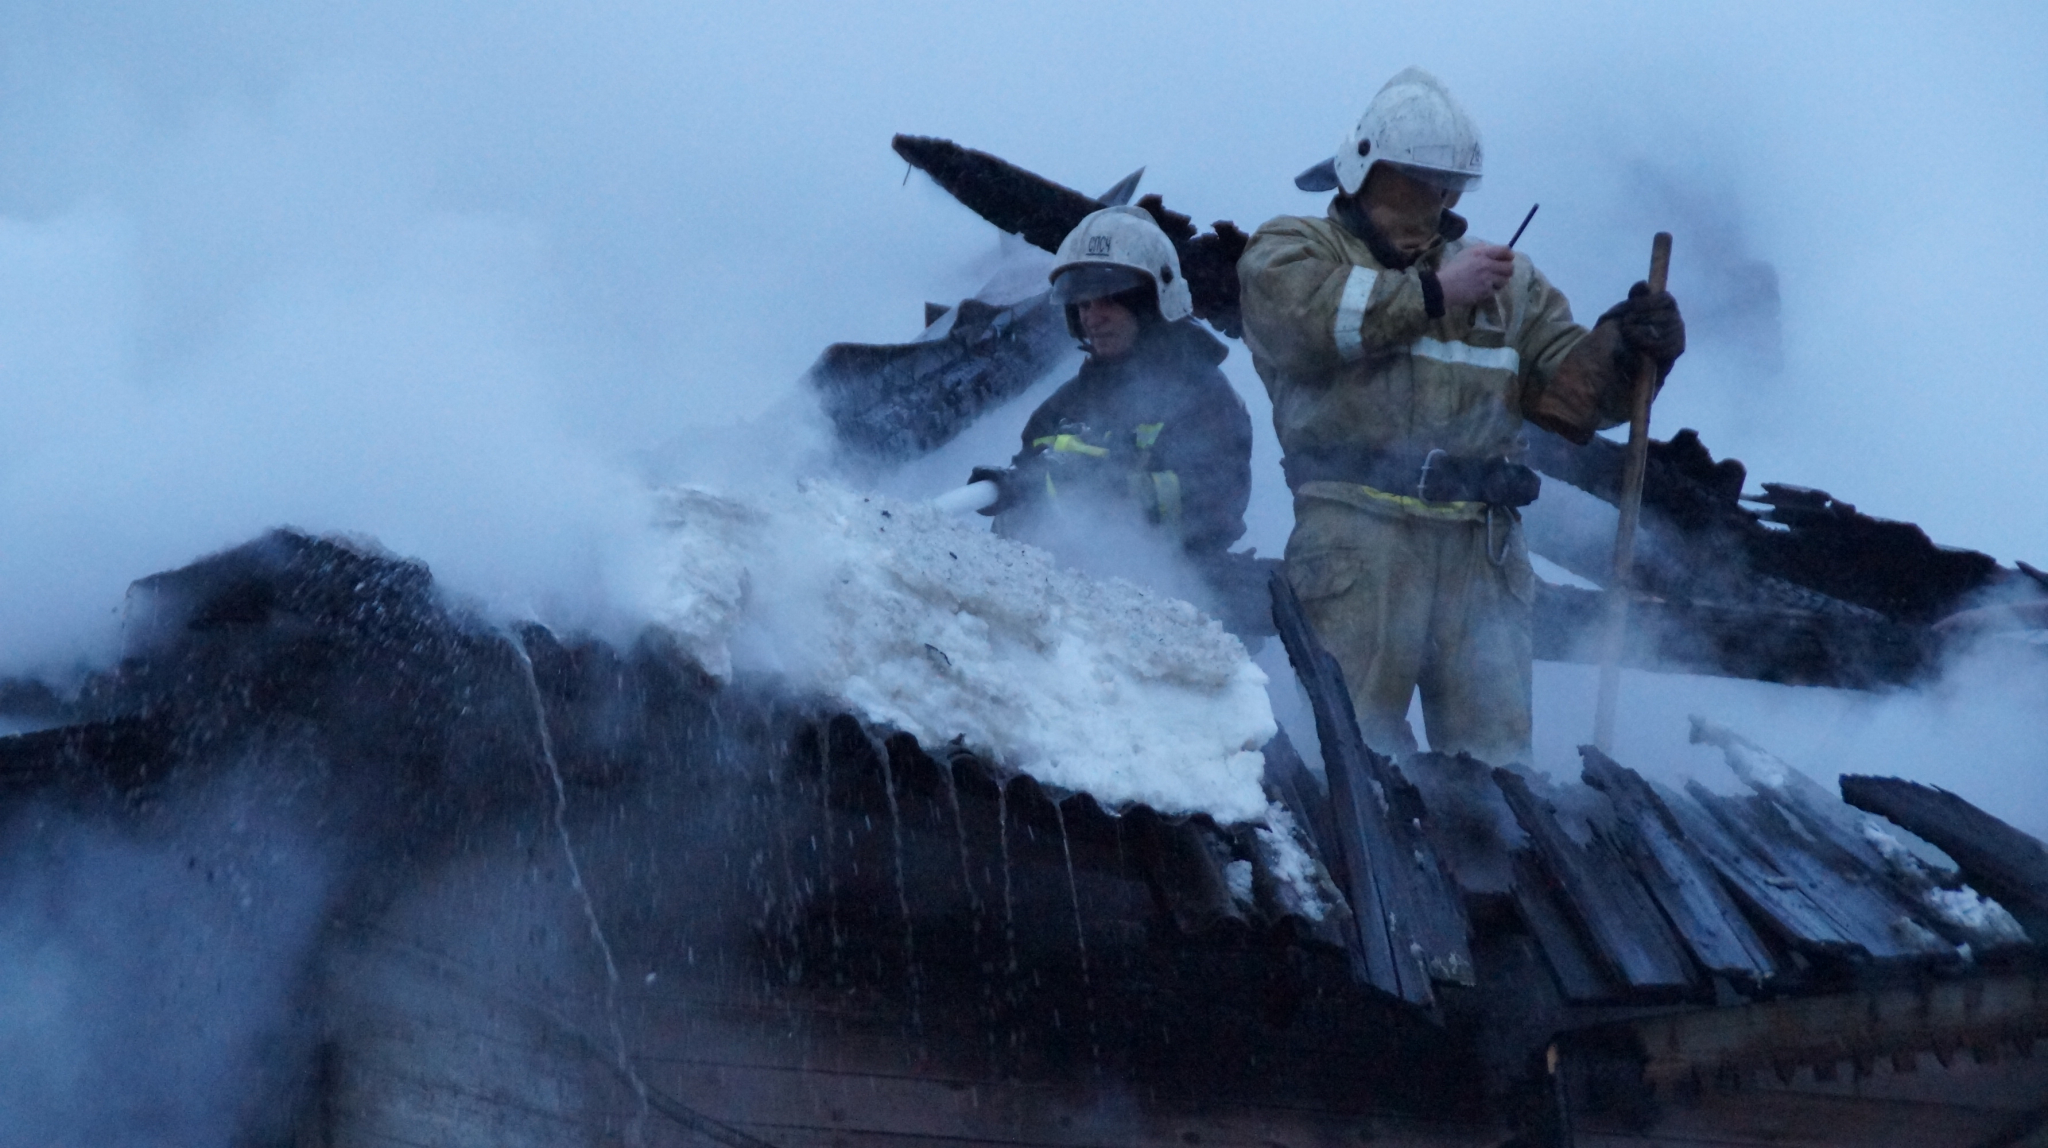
1041,212
1824,909
1018,201
1678,876
1607,899
1411,919
1760,643
1693,506
2002,862
1859,1027
1539,900
895,402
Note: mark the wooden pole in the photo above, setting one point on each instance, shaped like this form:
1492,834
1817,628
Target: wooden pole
1618,587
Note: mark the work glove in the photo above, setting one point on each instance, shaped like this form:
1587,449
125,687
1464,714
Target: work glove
1649,325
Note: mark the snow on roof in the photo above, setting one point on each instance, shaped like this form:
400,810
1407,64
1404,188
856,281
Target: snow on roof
955,635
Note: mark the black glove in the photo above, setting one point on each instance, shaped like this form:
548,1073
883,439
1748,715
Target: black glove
1006,488
1650,325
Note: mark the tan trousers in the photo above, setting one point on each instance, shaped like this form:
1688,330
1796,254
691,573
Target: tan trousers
1404,602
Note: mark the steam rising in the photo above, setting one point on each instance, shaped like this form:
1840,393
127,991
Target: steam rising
459,276
455,279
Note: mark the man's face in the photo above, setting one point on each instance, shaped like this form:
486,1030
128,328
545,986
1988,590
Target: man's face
1404,209
1109,327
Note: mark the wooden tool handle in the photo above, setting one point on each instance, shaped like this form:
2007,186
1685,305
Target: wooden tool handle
1618,587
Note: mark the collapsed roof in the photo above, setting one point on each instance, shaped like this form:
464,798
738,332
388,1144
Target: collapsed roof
1452,912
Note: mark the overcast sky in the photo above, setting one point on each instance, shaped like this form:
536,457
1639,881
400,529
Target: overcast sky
434,272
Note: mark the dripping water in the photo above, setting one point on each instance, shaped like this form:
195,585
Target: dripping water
1080,935
829,830
1009,903
974,907
1010,984
638,1133
902,884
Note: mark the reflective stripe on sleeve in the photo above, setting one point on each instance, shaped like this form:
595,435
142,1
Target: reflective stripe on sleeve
1467,355
1351,313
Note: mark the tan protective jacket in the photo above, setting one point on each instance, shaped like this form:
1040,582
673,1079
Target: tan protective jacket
1407,593
1351,357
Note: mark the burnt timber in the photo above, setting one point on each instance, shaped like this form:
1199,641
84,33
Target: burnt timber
829,933
1788,585
2004,862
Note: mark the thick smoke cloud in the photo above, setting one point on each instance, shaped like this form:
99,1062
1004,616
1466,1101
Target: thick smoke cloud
453,276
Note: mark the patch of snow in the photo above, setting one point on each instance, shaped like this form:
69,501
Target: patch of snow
1238,875
1553,573
925,624
1755,765
1967,909
1290,863
1961,907
1888,846
1914,935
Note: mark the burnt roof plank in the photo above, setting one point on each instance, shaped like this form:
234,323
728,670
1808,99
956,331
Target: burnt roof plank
2002,862
1865,912
1604,894
1571,960
1020,202
1380,938
1756,882
1410,919
1678,876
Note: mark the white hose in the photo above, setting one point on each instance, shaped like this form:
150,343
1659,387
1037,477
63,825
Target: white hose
973,496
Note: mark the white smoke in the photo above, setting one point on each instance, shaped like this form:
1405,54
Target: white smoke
435,274
448,274
152,971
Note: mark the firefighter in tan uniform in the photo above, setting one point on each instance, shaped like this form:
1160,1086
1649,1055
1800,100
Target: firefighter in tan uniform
1402,359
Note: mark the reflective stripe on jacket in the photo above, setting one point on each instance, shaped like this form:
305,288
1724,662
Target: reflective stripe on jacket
1351,356
1162,427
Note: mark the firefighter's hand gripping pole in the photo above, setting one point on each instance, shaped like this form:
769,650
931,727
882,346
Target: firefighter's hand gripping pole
1618,586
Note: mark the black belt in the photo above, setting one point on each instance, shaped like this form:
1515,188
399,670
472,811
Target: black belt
1432,476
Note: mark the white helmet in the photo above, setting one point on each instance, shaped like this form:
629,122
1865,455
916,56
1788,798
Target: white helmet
1117,249
1415,124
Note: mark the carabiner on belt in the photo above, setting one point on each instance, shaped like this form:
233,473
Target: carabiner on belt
1422,480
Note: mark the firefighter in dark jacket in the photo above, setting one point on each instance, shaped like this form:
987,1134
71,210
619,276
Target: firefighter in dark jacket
1141,464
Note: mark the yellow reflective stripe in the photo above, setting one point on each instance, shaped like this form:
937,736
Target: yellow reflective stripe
1166,487
1147,434
1359,494
1071,444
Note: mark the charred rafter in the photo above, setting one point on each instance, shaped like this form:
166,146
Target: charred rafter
1042,212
